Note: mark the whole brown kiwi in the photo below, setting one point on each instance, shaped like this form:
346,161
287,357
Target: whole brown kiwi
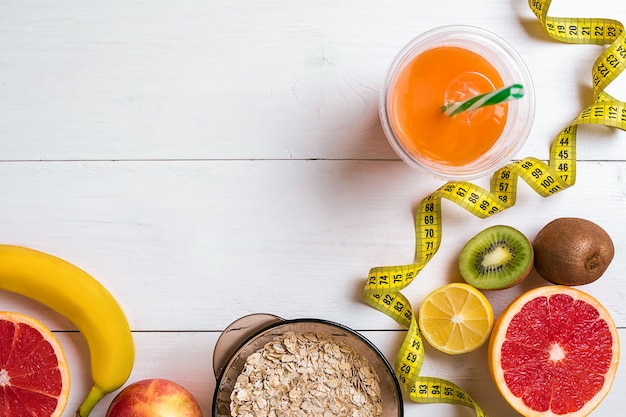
572,251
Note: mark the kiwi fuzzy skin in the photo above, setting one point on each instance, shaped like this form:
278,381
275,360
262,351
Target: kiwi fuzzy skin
572,251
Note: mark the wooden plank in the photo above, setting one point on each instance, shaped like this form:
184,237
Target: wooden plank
251,80
193,245
159,356
211,159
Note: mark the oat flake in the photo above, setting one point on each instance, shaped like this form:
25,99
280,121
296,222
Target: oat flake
306,374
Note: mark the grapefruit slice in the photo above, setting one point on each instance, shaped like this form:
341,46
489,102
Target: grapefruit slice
455,318
34,376
554,352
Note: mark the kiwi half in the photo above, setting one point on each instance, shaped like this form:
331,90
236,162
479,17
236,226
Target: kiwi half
498,257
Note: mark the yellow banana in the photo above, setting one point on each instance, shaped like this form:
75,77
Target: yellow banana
85,302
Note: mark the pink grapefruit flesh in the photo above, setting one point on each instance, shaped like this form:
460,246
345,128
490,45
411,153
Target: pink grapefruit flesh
554,352
34,375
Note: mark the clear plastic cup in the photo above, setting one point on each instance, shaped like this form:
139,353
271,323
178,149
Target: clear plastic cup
509,66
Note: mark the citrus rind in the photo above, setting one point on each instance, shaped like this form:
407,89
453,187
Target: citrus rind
499,336
48,336
455,318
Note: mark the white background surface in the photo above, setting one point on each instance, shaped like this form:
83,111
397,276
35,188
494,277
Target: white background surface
209,159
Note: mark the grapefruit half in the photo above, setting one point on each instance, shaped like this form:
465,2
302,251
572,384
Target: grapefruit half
34,375
554,352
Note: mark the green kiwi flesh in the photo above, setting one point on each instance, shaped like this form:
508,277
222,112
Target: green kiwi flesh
498,257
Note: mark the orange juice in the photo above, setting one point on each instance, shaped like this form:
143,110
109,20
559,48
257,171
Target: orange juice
434,78
448,65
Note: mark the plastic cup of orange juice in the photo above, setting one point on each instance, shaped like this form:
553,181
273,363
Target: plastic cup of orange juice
453,64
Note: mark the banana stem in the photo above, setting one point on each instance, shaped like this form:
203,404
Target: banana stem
95,395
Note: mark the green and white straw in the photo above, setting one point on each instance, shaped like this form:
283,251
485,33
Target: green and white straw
502,95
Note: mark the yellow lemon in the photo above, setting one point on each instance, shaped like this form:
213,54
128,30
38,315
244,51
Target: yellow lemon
456,318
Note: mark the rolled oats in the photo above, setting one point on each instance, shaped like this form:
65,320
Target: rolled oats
306,374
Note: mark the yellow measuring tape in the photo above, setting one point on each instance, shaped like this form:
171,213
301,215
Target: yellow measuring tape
383,286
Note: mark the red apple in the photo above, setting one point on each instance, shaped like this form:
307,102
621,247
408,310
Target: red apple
154,398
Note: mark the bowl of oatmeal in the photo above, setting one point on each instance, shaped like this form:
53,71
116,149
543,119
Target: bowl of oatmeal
267,366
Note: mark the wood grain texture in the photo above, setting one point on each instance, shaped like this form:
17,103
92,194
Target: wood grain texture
158,354
247,80
206,159
216,240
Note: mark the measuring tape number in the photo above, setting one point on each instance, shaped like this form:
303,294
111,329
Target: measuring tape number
384,283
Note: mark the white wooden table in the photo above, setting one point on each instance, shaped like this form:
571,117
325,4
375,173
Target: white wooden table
209,159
